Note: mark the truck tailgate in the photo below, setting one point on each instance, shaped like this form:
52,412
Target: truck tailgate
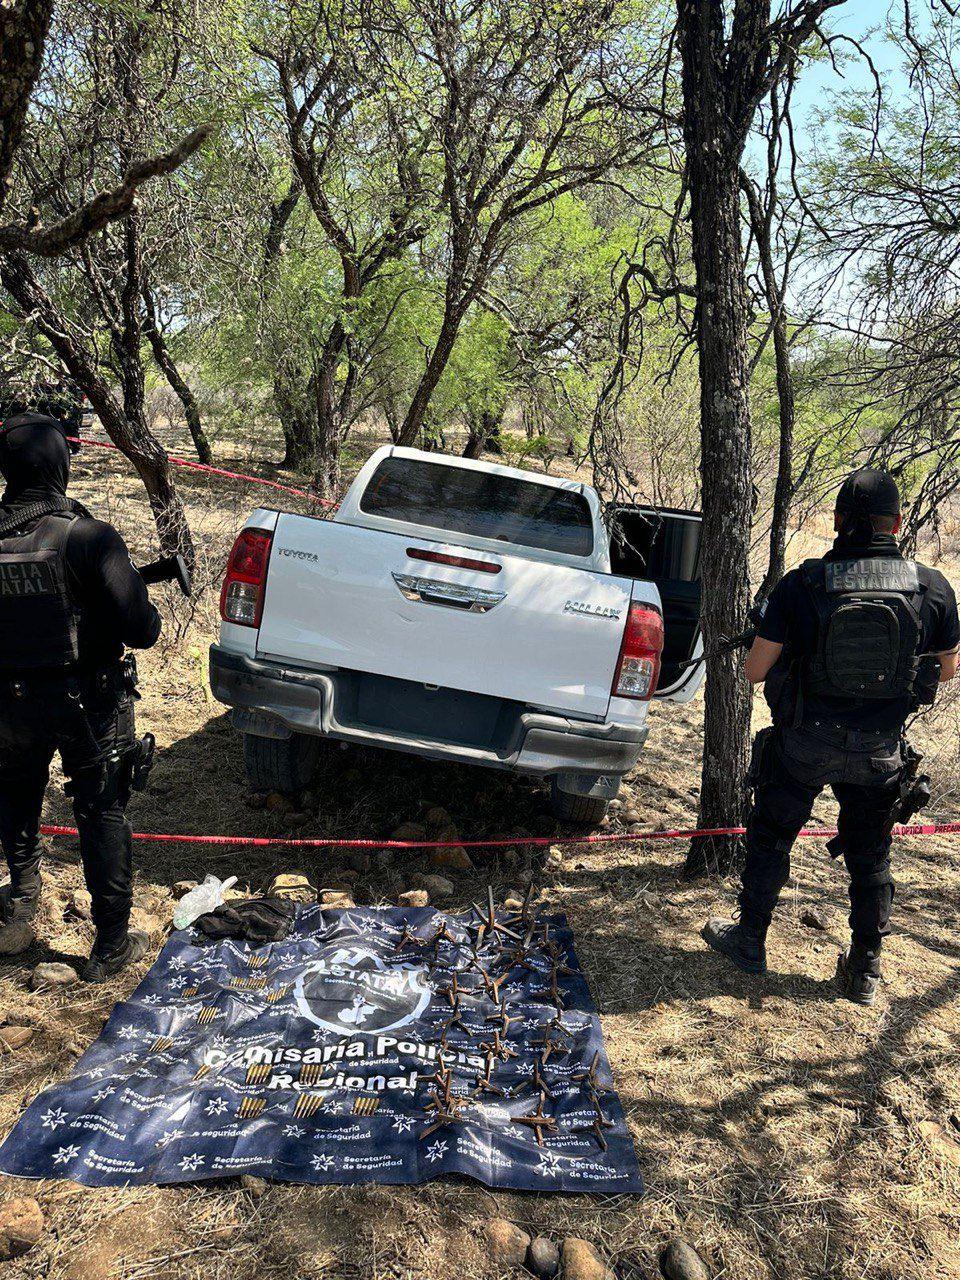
538,633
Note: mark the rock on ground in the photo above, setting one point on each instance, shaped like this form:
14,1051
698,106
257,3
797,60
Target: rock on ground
15,1037
21,1226
437,817
256,1186
814,918
438,887
409,831
52,974
579,1260
508,1244
554,859
543,1258
334,898
457,858
680,1261
413,898
79,906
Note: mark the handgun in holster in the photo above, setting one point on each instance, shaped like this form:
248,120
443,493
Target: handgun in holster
140,761
913,794
760,756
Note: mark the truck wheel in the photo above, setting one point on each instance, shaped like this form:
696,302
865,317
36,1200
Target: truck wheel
280,764
582,811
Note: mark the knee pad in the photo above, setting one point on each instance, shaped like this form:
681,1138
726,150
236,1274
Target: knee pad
764,833
868,873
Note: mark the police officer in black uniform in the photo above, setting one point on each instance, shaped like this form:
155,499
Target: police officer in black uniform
848,647
70,600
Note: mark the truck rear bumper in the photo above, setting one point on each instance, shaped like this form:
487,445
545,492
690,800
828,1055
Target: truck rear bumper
272,700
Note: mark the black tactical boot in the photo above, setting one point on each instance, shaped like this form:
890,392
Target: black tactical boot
100,967
742,942
858,973
16,931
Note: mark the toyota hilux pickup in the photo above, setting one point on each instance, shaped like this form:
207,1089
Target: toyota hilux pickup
462,611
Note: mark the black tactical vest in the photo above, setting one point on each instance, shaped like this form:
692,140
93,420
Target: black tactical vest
869,634
38,618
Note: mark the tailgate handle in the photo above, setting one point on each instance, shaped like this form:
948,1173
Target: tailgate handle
452,595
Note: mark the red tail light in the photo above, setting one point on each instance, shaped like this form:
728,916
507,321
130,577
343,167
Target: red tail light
639,667
458,562
241,598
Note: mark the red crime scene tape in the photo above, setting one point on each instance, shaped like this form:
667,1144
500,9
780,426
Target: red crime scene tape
327,842
190,465
617,837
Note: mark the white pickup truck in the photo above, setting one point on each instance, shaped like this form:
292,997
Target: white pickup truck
462,611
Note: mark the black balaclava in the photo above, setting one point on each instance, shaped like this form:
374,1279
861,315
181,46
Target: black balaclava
35,460
866,493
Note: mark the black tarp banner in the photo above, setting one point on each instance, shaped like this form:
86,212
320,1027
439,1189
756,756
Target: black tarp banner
373,1045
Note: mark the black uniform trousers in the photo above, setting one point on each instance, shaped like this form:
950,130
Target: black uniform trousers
864,771
35,721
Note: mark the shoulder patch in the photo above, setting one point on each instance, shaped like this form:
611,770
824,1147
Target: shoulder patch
845,577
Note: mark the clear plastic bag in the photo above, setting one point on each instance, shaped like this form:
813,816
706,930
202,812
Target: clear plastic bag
205,897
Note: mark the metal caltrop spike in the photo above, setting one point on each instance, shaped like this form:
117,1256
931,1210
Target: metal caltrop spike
538,1121
590,1075
488,919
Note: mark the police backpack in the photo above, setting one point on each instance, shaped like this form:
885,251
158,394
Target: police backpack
869,633
38,617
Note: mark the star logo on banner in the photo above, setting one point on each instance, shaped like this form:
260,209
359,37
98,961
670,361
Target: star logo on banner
127,1057
216,1106
524,1068
63,1155
190,1164
129,1032
549,1165
403,1124
171,1135
322,1163
175,984
178,962
96,1073
437,1151
54,1118
104,1093
293,1131
151,999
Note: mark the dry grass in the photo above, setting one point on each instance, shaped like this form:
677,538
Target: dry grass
787,1132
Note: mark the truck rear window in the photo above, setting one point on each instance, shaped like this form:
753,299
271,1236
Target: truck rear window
481,504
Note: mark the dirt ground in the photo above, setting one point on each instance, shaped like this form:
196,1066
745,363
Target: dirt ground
783,1130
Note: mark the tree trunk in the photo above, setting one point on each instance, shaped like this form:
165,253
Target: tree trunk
176,381
24,25
131,435
783,489
294,410
439,357
329,435
484,436
725,470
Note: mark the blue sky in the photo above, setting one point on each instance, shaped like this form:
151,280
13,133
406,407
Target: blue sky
862,20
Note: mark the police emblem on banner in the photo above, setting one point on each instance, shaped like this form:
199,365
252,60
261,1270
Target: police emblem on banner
352,989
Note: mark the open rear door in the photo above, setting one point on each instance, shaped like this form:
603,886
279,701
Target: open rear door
662,545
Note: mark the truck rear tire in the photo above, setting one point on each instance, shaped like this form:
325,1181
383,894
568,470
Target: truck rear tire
581,811
280,764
